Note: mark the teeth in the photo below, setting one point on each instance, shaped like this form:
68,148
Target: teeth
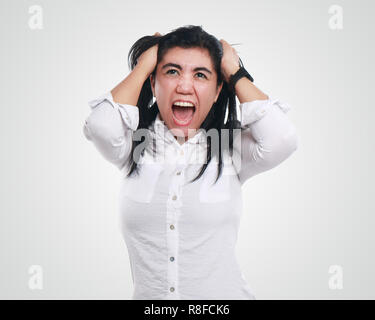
183,104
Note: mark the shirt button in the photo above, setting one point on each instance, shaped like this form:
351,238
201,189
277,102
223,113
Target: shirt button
171,226
171,289
178,173
174,197
171,258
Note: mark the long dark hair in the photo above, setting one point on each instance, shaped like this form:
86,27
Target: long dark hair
186,37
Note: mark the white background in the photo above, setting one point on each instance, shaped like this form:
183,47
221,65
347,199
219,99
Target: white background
59,197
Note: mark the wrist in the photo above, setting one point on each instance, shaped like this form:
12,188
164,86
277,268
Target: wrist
141,72
239,74
230,71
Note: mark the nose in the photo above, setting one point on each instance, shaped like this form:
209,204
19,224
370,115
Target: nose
185,85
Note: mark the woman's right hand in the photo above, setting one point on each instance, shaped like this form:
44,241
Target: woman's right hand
147,60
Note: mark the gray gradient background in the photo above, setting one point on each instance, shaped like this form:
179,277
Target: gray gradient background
59,196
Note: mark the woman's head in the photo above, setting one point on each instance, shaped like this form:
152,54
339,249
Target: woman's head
190,75
175,77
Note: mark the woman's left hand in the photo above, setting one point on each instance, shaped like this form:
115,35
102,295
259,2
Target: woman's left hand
230,60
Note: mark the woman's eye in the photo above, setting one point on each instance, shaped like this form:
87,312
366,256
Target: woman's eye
202,75
171,70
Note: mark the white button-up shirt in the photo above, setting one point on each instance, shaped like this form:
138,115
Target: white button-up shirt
181,236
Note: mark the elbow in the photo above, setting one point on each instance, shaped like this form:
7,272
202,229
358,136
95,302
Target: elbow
280,150
98,129
287,145
290,142
86,131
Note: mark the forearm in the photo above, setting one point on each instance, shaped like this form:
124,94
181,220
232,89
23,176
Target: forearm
129,89
246,91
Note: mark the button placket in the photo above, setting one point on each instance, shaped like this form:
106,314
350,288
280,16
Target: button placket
172,244
173,211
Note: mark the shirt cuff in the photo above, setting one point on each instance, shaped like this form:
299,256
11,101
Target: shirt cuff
129,113
255,110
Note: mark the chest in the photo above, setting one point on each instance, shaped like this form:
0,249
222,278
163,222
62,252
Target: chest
164,191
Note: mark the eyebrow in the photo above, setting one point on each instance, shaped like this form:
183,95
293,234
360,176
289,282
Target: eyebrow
180,68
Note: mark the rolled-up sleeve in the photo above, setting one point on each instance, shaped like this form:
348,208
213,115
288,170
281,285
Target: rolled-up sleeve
269,137
110,127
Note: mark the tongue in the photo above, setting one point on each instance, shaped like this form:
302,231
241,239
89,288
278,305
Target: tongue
182,113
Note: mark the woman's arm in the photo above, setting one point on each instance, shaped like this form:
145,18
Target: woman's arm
270,137
115,115
109,126
128,90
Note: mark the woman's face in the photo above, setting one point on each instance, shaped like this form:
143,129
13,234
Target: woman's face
185,75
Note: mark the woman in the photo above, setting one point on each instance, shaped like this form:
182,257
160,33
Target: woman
179,211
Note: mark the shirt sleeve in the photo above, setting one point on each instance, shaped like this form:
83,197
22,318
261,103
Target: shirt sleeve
269,137
110,127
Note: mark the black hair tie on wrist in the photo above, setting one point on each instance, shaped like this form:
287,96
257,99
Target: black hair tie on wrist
241,72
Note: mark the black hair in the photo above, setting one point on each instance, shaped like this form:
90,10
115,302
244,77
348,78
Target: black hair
189,36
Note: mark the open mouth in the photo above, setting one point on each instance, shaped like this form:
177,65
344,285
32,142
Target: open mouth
183,115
